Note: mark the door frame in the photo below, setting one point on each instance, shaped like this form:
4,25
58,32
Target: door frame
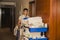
13,9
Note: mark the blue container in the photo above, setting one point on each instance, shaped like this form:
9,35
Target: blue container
43,39
25,18
30,39
38,29
38,39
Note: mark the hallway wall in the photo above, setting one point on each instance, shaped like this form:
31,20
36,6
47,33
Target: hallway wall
17,9
24,4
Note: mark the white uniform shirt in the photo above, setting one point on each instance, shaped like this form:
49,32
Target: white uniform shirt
22,19
21,30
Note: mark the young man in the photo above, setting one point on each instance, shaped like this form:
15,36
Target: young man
21,24
24,15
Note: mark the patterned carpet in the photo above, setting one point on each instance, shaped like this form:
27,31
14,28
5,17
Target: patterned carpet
5,34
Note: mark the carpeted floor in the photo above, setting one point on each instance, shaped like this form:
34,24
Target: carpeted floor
5,34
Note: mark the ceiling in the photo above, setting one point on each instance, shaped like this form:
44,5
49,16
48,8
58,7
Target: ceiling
7,0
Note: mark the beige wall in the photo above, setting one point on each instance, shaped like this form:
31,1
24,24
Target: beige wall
24,4
18,7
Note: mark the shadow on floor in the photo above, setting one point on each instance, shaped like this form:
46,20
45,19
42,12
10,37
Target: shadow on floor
5,34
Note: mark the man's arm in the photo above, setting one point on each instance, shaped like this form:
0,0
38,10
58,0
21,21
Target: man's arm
19,23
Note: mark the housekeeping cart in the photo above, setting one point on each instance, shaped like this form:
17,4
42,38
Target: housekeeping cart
36,27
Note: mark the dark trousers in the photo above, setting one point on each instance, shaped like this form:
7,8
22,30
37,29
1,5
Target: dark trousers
18,35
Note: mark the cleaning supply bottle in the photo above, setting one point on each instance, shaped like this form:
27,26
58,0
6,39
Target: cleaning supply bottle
45,25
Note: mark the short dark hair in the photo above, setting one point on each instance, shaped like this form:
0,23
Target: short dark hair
25,9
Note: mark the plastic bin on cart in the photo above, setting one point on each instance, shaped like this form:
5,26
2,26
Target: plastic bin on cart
25,18
38,39
38,29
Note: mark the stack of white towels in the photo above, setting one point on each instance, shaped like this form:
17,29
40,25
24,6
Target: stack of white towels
34,22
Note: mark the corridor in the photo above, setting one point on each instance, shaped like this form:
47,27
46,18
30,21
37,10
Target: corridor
5,34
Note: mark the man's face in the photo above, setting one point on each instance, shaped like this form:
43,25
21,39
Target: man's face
25,12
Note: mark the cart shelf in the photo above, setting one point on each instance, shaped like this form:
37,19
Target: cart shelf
38,29
38,39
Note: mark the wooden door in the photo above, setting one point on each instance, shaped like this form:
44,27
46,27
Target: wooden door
47,9
32,7
53,20
43,9
58,19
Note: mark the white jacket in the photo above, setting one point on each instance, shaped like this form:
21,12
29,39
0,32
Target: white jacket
15,30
